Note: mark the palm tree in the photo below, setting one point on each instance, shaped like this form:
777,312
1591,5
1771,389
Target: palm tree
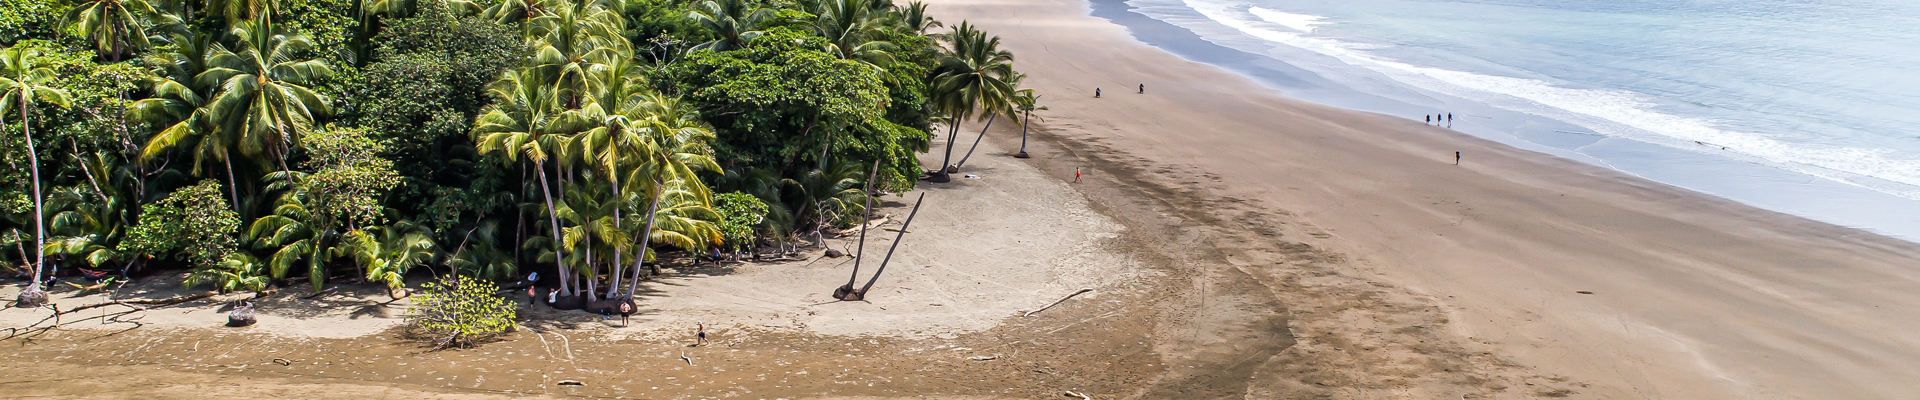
21,85
245,10
666,162
1026,102
522,122
262,101
176,92
388,251
850,27
112,25
733,21
294,234
1010,111
974,76
915,18
572,41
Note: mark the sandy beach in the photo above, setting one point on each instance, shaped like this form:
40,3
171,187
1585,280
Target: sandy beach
1239,244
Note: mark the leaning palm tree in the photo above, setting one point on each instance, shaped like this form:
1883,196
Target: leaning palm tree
666,164
974,76
21,85
1010,109
733,21
112,25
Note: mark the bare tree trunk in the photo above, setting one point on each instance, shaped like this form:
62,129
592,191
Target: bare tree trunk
896,245
976,139
866,213
940,174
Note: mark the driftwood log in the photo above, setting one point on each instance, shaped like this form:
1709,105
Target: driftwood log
1056,302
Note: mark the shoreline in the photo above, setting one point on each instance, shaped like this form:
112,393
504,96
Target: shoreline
1731,176
1693,296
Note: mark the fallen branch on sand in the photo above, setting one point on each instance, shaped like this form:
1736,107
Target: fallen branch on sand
683,356
1080,396
986,358
149,302
1057,302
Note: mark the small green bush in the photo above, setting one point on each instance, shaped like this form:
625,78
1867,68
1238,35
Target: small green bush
459,311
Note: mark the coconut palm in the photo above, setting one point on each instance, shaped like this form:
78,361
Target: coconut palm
1026,102
666,164
732,21
1011,110
388,251
293,233
852,29
572,41
975,76
915,18
21,85
176,92
237,11
524,123
112,25
262,100
92,218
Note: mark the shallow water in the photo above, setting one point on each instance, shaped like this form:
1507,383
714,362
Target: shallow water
1798,107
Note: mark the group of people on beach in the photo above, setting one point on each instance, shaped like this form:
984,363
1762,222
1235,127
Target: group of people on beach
1436,119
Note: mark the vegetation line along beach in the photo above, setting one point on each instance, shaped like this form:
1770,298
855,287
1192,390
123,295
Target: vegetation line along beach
673,199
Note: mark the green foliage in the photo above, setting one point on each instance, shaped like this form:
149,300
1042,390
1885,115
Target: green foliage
349,177
193,223
30,19
459,311
329,23
740,215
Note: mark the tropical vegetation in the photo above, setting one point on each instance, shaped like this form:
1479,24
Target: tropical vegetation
255,144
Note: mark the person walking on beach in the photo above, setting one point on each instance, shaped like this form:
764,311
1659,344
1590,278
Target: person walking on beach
1143,88
700,339
1076,174
1096,93
1429,117
1456,158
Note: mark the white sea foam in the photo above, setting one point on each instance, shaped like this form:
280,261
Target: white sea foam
1299,22
1611,112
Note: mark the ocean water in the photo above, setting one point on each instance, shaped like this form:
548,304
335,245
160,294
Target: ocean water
1808,107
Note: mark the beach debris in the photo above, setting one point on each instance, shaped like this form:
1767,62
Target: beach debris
33,297
986,358
831,253
972,176
683,356
1057,302
570,382
329,291
1081,396
283,362
1585,292
242,315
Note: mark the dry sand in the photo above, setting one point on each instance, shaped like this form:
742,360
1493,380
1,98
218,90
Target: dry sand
1241,244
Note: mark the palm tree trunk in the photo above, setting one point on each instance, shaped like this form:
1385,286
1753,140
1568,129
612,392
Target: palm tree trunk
976,139
613,269
940,175
39,217
553,218
1023,134
233,185
896,245
866,213
646,234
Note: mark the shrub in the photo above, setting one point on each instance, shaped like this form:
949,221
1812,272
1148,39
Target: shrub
740,215
459,311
